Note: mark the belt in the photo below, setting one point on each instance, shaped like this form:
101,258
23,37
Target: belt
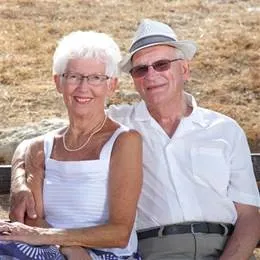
200,227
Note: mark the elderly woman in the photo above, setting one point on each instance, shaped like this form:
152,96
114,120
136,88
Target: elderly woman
86,178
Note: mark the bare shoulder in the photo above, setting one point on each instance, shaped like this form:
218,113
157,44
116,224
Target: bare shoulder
129,136
128,141
38,141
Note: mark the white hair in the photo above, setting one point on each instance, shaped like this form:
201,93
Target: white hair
87,44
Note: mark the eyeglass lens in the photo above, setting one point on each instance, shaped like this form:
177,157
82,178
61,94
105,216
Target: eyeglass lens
93,79
159,66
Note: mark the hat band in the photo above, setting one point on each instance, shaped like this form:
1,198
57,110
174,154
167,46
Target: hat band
150,40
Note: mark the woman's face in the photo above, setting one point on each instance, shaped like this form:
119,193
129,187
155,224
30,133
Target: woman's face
85,86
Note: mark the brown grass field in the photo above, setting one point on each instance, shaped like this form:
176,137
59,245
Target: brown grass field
225,71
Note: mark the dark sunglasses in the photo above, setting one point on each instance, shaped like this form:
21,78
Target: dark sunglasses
160,65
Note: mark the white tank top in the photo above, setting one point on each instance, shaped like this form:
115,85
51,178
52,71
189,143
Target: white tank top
75,192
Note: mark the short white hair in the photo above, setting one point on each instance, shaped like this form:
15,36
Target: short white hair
87,44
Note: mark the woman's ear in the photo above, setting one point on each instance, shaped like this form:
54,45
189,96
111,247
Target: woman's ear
112,86
57,79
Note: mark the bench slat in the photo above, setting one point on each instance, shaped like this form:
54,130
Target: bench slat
5,179
256,164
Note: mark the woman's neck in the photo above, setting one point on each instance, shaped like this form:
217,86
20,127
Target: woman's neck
83,125
76,138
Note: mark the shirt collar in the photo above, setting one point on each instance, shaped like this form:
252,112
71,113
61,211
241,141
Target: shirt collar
196,116
142,113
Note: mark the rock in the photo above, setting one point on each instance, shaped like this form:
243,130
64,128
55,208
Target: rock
11,137
253,9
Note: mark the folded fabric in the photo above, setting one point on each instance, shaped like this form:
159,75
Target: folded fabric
22,251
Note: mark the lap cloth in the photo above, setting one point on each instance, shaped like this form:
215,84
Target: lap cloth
101,255
22,251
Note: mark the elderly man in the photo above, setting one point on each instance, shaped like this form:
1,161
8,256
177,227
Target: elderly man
199,198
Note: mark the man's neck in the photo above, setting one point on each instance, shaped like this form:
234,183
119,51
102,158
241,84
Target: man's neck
169,116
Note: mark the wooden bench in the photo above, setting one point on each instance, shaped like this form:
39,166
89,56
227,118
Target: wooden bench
5,179
5,174
256,164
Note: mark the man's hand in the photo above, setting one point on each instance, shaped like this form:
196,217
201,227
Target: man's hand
22,205
22,200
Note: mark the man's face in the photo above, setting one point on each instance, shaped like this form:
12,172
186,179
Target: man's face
160,87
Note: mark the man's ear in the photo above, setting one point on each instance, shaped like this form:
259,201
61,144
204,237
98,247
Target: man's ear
112,86
57,79
186,70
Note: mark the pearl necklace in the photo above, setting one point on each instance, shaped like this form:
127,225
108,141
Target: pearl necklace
87,141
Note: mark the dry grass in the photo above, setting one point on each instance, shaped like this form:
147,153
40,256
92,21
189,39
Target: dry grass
225,71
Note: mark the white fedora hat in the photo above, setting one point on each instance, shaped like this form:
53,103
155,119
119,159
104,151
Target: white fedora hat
151,33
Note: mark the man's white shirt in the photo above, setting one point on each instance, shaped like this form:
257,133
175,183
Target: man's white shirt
197,174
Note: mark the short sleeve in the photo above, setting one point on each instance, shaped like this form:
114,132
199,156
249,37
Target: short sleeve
242,187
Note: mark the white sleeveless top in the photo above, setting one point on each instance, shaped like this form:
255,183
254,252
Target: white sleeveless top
75,193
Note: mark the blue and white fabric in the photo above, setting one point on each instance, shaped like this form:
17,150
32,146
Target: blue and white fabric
22,251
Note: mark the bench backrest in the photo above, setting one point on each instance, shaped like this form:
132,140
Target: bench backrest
5,174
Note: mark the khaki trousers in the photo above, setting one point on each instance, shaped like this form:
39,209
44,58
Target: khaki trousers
184,246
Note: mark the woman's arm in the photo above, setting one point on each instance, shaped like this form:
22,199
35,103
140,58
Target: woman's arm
125,185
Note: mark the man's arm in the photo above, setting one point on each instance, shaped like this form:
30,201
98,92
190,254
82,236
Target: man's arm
22,201
246,234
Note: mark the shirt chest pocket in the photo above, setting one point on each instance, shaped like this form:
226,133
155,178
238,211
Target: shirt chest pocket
210,168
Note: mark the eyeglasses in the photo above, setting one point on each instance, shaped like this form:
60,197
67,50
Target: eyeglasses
160,65
77,79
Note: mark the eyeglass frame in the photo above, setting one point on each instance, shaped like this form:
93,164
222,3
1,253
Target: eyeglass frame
80,78
146,67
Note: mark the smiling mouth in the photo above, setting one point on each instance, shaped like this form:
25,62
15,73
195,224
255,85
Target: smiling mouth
83,100
154,87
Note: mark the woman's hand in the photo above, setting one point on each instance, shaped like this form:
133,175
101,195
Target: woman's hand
17,231
75,253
